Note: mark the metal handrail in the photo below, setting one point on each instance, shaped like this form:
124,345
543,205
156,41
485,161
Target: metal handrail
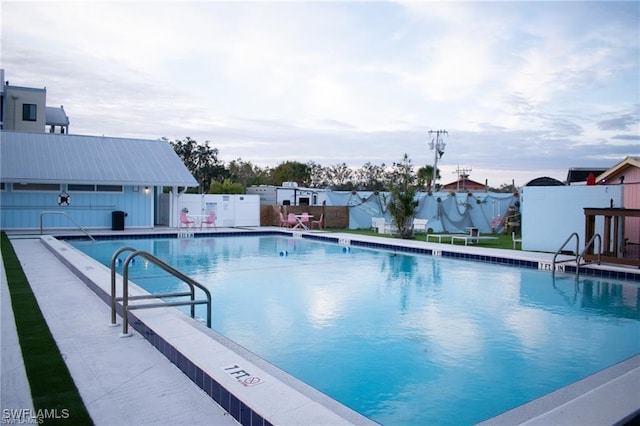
579,255
589,244
125,298
553,264
68,217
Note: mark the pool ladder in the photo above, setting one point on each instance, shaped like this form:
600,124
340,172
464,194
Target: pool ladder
126,298
579,255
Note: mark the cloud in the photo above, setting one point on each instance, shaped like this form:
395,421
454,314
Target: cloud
521,87
623,122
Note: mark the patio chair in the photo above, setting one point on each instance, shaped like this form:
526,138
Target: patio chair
184,220
283,221
209,220
420,225
389,228
516,240
377,223
291,220
318,222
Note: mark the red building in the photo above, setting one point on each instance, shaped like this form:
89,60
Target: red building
464,184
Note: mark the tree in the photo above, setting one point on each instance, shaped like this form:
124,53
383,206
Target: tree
226,187
370,177
425,177
201,160
504,188
245,173
317,175
339,177
402,204
290,171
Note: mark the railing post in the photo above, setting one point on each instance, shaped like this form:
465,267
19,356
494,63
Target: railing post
125,294
114,259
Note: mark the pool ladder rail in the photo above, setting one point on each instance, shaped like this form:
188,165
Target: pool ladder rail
579,255
126,298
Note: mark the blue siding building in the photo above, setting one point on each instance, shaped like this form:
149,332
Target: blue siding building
87,177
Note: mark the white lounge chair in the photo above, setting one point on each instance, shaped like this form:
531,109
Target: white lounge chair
389,228
377,223
420,225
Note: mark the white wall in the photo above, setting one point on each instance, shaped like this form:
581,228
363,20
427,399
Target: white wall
551,213
231,210
247,210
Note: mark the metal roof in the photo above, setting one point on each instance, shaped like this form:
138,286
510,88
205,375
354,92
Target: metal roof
57,116
580,174
64,158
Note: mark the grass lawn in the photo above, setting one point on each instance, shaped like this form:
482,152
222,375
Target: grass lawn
55,396
503,241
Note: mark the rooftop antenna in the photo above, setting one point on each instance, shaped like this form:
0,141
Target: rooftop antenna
437,144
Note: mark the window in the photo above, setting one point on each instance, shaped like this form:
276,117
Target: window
36,187
2,187
109,188
79,187
29,112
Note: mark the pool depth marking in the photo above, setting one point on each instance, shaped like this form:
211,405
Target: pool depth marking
242,376
548,266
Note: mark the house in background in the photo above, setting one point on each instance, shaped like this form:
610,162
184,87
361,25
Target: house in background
580,175
24,109
464,184
627,174
93,180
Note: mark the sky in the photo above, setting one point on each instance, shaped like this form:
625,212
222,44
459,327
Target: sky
523,89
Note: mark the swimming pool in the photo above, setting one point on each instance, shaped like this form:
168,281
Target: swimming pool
403,339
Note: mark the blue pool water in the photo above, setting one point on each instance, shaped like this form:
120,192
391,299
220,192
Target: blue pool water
403,339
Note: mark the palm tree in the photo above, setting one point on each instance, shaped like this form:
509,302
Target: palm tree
402,205
425,176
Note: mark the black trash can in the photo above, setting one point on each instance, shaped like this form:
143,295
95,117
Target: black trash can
117,220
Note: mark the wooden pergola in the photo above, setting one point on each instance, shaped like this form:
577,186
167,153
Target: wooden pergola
614,244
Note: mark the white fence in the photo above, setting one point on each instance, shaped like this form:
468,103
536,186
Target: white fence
551,213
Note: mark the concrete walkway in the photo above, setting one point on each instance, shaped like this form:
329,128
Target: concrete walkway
122,381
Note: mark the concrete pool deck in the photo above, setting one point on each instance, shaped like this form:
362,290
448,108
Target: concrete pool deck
127,381
121,381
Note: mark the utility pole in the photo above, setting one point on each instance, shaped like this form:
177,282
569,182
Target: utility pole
461,174
437,144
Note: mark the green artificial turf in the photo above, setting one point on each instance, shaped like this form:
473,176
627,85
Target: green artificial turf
55,397
503,241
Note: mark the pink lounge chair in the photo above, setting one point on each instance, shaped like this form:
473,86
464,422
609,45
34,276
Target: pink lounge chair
184,220
209,220
318,222
291,220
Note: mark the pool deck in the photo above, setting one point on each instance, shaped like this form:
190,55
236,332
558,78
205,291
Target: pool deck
128,381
